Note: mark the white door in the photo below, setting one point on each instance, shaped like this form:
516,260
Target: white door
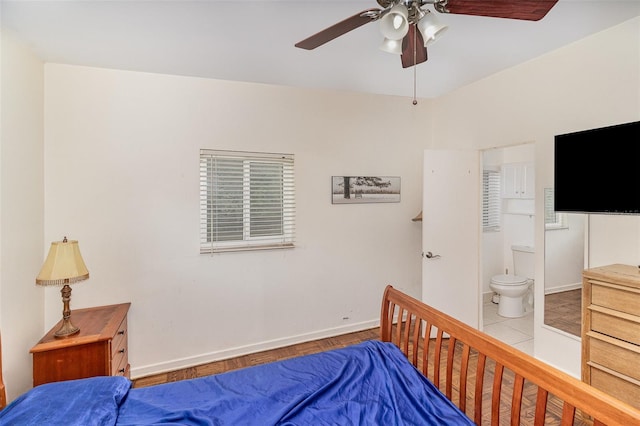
451,233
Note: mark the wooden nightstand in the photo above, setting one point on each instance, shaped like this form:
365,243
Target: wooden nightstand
99,349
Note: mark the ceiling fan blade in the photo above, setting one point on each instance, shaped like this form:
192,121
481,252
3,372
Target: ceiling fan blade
342,27
529,10
413,50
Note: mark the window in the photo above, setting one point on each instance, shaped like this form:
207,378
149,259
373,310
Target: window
552,220
491,201
247,201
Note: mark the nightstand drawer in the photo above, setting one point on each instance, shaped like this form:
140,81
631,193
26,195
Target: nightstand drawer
119,351
119,342
120,365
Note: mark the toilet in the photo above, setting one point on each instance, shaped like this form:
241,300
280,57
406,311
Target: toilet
513,288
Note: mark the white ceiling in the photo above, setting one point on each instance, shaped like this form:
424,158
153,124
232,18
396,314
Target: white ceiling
254,40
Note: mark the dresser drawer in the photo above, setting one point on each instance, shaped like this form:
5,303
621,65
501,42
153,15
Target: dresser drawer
626,390
618,325
623,299
617,356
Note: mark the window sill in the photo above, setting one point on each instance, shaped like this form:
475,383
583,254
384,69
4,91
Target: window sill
210,250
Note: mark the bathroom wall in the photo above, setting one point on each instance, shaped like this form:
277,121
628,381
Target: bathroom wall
564,255
492,258
517,218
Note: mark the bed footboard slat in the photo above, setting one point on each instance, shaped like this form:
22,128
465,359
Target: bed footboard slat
464,368
425,351
407,326
386,318
568,414
415,341
436,359
541,406
399,324
516,400
496,392
410,324
477,409
451,351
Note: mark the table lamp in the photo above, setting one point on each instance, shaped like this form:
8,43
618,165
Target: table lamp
63,266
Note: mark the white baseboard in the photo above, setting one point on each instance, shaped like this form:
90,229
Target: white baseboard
163,367
486,297
561,288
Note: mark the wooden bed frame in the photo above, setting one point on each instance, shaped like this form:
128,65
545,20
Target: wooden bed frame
3,391
494,379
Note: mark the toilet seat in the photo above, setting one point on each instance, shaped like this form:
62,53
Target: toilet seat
505,279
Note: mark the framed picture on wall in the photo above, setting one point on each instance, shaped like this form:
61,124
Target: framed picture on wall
365,189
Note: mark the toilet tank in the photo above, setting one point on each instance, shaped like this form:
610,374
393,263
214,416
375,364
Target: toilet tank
523,261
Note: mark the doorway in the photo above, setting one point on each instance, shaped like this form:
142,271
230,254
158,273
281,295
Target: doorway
513,226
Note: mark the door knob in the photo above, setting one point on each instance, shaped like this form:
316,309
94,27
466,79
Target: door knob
430,255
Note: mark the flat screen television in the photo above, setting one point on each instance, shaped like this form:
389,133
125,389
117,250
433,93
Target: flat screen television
598,170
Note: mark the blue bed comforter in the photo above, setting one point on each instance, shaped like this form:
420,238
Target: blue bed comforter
371,383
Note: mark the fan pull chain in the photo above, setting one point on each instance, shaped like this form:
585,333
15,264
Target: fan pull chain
415,101
415,65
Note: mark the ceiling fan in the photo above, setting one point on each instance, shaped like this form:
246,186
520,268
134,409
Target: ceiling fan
408,28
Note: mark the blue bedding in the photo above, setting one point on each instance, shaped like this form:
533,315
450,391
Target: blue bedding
84,402
371,383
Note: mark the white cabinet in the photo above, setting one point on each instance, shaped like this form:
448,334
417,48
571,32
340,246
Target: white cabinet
518,180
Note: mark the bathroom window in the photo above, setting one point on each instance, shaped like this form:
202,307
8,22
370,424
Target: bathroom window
552,219
491,201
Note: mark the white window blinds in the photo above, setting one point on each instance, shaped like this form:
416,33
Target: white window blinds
491,201
247,201
552,220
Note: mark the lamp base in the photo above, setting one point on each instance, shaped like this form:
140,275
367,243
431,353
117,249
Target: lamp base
66,329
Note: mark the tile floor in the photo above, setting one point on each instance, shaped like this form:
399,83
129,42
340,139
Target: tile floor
517,332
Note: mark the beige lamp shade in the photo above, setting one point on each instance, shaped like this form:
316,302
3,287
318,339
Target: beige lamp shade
63,265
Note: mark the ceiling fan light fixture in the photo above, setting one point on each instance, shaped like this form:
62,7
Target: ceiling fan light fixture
392,46
394,25
430,27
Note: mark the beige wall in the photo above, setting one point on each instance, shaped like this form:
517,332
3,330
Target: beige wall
122,177
21,210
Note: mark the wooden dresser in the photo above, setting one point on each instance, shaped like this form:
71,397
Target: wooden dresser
99,349
611,331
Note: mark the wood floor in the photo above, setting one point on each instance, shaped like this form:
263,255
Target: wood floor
563,311
553,413
260,358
